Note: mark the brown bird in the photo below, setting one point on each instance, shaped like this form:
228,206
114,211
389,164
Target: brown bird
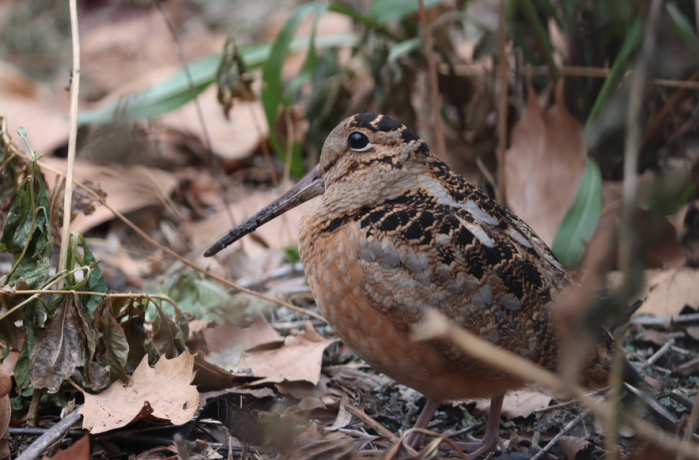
394,232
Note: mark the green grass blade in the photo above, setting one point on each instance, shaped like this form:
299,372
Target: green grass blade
368,21
175,92
581,220
633,40
681,25
272,89
385,11
403,48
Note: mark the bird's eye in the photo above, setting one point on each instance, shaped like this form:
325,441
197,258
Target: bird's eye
359,142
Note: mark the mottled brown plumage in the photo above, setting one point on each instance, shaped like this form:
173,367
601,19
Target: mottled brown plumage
395,232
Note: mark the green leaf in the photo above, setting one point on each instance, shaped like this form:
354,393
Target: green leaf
28,219
175,91
581,220
116,347
272,89
681,25
96,282
394,10
403,48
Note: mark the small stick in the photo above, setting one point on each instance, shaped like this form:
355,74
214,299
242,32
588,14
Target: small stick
466,430
361,415
653,321
173,254
51,435
614,398
434,84
691,425
560,434
215,161
502,107
659,354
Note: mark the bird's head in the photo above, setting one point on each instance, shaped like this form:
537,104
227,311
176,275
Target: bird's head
367,159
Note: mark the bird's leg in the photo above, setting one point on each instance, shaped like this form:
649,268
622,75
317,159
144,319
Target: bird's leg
422,421
492,436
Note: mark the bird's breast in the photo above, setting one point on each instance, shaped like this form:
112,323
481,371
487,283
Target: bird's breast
330,256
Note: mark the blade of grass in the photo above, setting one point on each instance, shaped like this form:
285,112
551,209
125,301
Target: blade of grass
681,25
531,14
272,89
385,11
175,91
581,219
633,40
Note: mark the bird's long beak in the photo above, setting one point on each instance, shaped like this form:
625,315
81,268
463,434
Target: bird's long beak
309,187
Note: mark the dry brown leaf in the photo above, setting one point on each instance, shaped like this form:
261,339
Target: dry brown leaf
576,448
258,336
278,233
544,165
43,113
59,350
519,403
230,140
143,40
80,450
299,359
668,291
128,188
163,392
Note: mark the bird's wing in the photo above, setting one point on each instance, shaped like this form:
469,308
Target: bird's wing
449,246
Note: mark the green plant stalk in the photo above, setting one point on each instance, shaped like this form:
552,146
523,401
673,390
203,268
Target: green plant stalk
36,293
31,227
530,13
633,40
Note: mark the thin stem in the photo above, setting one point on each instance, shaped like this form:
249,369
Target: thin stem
72,137
173,254
434,84
633,140
612,419
502,107
215,162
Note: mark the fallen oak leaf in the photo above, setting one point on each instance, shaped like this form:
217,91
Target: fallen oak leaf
163,392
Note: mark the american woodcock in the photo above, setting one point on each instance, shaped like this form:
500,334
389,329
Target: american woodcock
395,231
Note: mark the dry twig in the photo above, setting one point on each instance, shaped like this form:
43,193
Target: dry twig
173,254
560,434
434,84
502,107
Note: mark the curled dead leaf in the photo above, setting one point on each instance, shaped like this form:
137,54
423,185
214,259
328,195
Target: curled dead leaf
576,448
